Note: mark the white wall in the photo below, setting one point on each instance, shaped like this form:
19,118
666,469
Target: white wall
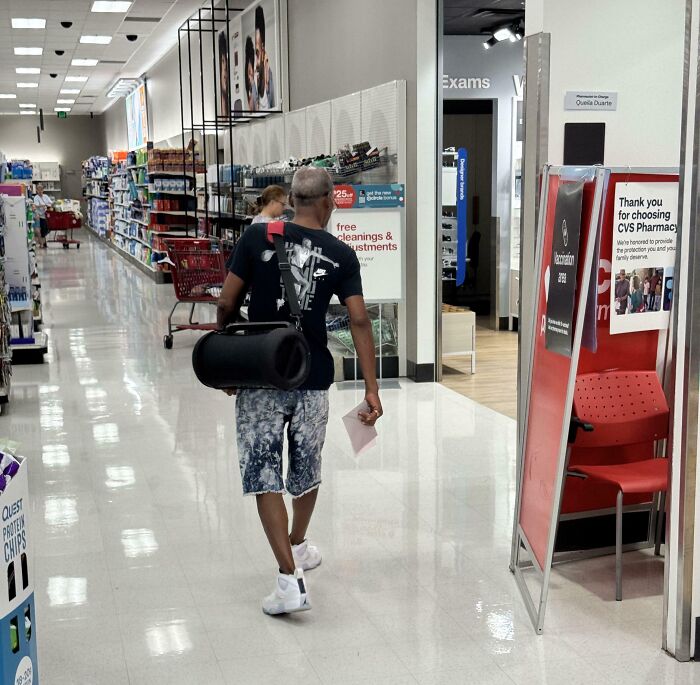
632,47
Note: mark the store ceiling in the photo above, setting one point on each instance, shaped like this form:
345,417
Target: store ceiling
475,17
155,22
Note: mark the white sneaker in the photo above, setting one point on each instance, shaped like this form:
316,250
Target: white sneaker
289,595
306,556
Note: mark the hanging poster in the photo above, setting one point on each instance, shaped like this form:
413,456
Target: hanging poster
252,71
643,256
563,268
137,118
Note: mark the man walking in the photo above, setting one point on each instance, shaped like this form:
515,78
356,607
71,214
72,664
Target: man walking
330,268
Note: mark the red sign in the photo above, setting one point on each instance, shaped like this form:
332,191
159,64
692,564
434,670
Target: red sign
344,197
548,391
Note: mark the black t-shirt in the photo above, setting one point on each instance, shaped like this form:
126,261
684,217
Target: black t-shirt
322,266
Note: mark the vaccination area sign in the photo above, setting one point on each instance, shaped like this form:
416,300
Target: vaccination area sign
643,256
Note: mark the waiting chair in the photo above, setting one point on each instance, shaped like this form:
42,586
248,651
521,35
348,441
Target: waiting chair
617,408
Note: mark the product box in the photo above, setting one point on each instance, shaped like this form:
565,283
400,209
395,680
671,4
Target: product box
18,652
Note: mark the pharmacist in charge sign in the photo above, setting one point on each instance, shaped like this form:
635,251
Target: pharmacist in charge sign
369,218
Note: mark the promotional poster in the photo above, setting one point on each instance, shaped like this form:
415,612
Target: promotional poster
643,256
374,196
562,270
249,61
375,235
137,118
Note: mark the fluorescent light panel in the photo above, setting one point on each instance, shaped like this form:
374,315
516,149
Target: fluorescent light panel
18,23
27,85
24,111
27,70
61,109
8,96
64,102
80,62
27,105
96,40
69,91
29,51
111,6
76,79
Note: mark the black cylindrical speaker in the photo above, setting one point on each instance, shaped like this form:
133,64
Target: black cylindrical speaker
252,356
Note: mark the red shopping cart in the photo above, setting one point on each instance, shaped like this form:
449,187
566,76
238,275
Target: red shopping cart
198,275
63,224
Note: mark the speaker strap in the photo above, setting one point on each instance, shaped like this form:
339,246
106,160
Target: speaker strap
275,234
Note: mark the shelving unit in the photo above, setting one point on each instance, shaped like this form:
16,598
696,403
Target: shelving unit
95,189
149,196
5,321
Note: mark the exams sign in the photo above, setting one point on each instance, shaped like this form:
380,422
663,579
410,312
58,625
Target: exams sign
598,101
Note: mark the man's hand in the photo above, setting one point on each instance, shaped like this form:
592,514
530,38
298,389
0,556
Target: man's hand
370,417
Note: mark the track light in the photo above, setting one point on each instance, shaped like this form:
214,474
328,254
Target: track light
490,43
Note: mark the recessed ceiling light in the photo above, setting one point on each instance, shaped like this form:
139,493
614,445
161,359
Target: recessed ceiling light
76,79
8,96
27,105
64,102
27,85
26,112
97,40
83,62
28,23
29,51
69,91
27,70
61,109
111,5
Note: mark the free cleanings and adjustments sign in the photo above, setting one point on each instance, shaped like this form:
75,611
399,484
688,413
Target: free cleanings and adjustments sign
643,256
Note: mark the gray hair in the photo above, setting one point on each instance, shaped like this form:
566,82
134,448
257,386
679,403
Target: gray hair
309,185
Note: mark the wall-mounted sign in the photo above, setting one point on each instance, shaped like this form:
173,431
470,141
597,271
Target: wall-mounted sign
643,256
590,100
375,196
461,216
375,235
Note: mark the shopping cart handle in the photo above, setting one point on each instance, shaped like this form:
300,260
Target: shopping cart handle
234,328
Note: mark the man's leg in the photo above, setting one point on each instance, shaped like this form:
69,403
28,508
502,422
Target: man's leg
303,509
273,514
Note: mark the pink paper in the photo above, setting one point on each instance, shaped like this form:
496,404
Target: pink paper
361,437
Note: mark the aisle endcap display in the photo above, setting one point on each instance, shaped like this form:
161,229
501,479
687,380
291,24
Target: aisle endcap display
18,639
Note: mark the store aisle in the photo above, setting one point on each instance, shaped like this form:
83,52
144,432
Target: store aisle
150,566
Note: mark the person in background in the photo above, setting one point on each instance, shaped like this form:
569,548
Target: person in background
263,70
636,299
657,297
647,293
622,291
271,204
332,268
41,203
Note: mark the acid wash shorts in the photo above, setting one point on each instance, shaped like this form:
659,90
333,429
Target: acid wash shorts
261,416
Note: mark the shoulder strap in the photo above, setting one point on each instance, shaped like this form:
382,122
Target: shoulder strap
275,235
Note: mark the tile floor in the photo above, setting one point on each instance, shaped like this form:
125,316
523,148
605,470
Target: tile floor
150,565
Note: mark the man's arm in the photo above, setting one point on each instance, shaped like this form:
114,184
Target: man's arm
230,300
361,329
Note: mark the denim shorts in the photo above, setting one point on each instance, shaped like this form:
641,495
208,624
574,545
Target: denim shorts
261,417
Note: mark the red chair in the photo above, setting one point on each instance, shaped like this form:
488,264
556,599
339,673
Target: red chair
617,408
